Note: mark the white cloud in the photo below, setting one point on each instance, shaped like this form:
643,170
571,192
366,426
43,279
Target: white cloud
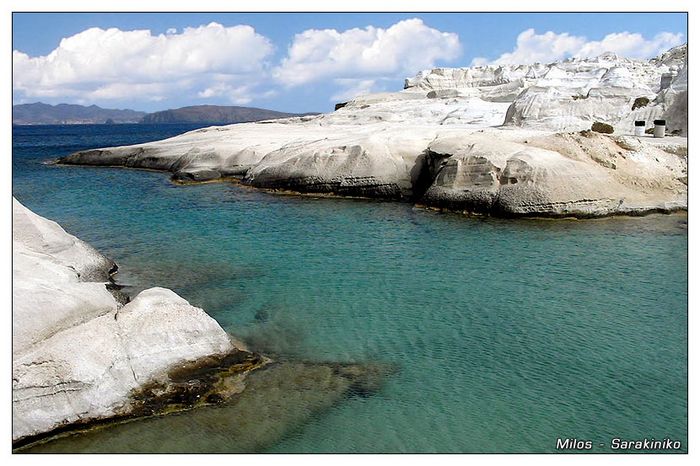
114,64
239,95
213,62
351,88
123,91
365,54
548,47
235,94
631,45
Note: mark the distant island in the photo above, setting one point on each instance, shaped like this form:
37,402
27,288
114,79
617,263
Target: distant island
70,114
214,114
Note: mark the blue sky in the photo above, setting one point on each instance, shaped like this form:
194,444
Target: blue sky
329,58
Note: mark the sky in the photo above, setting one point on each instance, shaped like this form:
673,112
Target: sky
295,62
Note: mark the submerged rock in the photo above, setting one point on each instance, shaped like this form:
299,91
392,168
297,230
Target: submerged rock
78,354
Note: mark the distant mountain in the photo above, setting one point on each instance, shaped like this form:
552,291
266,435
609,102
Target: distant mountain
214,114
69,114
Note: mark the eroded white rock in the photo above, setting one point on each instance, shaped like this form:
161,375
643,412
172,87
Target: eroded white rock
379,145
570,95
576,174
77,354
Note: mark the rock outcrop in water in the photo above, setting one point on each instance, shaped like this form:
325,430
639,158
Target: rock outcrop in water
500,140
78,354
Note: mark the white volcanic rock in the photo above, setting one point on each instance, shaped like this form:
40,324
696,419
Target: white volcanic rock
569,95
380,145
43,236
493,83
603,93
674,101
375,162
434,108
556,173
675,58
53,270
77,354
586,174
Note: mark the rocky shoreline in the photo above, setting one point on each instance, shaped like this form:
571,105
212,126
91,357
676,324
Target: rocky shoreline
83,354
278,398
493,171
88,361
503,141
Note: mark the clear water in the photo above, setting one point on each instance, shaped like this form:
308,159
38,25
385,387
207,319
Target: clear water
508,334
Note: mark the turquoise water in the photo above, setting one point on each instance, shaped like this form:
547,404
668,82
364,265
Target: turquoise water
507,334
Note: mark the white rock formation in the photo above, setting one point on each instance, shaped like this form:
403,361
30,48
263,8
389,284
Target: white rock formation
578,174
77,354
383,145
570,95
674,100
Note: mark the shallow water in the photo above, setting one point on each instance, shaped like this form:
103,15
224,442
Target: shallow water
507,334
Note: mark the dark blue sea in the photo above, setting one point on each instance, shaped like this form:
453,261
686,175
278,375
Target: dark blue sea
507,334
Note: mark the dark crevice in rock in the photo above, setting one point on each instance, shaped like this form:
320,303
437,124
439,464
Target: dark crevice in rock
424,172
468,184
115,288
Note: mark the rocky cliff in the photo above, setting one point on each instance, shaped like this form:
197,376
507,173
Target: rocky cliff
499,140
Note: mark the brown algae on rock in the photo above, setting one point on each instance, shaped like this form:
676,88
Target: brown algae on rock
209,380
